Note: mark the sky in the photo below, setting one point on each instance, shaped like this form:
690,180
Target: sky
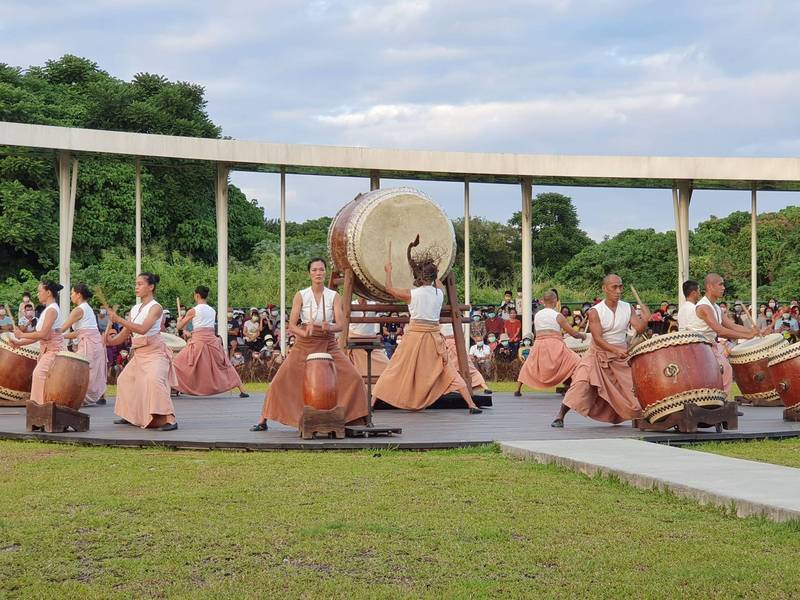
605,77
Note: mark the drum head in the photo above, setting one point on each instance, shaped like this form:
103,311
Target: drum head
759,343
577,345
676,338
319,356
72,356
173,342
32,349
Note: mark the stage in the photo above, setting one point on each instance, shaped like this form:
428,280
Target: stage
224,421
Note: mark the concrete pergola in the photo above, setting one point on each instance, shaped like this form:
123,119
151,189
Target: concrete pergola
682,175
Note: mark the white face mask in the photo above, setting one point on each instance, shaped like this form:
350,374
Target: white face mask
270,344
274,313
480,344
254,319
769,314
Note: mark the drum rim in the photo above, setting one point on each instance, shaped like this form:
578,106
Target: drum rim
674,403
319,356
758,352
667,340
75,355
764,343
783,354
172,337
30,351
580,348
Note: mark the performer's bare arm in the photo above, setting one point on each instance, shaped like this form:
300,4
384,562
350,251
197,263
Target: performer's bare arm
639,322
596,329
743,331
183,321
34,336
399,293
118,339
294,317
565,327
153,314
75,316
704,312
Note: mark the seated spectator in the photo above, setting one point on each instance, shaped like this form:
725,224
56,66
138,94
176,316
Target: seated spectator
494,324
251,331
567,315
787,325
26,299
120,361
492,342
234,331
506,306
6,321
513,328
577,321
504,352
477,329
237,360
172,326
482,356
27,319
525,347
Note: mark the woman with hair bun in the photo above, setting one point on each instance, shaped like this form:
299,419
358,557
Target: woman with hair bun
90,343
48,334
143,387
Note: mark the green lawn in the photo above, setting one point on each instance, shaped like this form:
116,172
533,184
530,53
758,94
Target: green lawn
780,452
81,522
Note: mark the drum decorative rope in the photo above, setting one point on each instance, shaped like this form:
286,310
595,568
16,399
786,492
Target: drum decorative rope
359,237
319,386
16,371
173,342
67,380
675,369
750,361
579,347
784,367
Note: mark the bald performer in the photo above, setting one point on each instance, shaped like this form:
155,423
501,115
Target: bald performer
709,321
602,385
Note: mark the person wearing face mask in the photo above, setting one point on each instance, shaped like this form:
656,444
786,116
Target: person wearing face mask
252,331
506,306
483,357
27,319
494,324
478,383
504,352
6,321
492,342
203,367
525,348
477,329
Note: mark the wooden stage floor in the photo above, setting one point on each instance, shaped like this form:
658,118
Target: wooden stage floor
224,421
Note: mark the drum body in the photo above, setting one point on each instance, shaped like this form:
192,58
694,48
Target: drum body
361,231
750,362
784,368
580,347
67,380
672,370
319,385
173,342
16,371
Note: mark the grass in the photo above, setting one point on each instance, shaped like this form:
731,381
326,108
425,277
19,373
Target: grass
81,522
779,452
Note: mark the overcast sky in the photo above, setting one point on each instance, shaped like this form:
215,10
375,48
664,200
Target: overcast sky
711,78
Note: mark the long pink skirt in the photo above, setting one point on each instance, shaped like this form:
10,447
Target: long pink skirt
144,385
727,369
48,349
476,379
203,367
90,345
549,363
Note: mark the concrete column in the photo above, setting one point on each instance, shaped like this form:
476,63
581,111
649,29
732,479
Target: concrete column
527,255
374,180
467,259
138,226
753,252
67,189
681,197
283,259
678,243
222,252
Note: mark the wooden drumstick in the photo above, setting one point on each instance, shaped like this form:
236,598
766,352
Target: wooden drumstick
178,302
636,295
98,291
749,316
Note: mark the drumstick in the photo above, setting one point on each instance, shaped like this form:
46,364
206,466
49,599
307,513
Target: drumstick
178,302
749,316
98,291
636,295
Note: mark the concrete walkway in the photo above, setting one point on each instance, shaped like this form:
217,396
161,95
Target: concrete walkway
750,488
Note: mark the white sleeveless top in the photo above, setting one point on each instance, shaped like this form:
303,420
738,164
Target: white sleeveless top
426,303
545,320
364,329
311,312
446,329
204,316
139,313
695,323
89,320
614,323
59,319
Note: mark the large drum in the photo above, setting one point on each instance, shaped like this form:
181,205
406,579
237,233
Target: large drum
173,342
67,380
16,371
580,347
750,361
319,386
675,369
784,368
359,237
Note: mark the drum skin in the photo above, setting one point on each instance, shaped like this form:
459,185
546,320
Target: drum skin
668,371
67,381
785,373
750,363
16,376
579,347
359,236
319,386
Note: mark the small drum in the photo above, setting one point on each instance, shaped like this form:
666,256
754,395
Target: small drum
173,342
16,371
67,380
784,367
675,369
319,386
360,233
578,346
750,361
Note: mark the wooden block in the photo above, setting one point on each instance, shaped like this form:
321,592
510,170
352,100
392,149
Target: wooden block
323,422
791,414
54,418
694,417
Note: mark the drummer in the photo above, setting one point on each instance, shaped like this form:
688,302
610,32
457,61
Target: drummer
316,316
602,384
709,320
90,343
550,361
421,371
48,334
202,367
143,387
366,330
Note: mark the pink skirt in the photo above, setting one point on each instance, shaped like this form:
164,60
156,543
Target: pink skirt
48,349
549,363
203,367
476,379
90,345
143,387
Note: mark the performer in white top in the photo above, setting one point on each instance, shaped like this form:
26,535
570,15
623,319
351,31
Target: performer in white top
709,320
90,343
203,367
420,371
379,359
143,387
691,291
550,362
48,334
602,385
